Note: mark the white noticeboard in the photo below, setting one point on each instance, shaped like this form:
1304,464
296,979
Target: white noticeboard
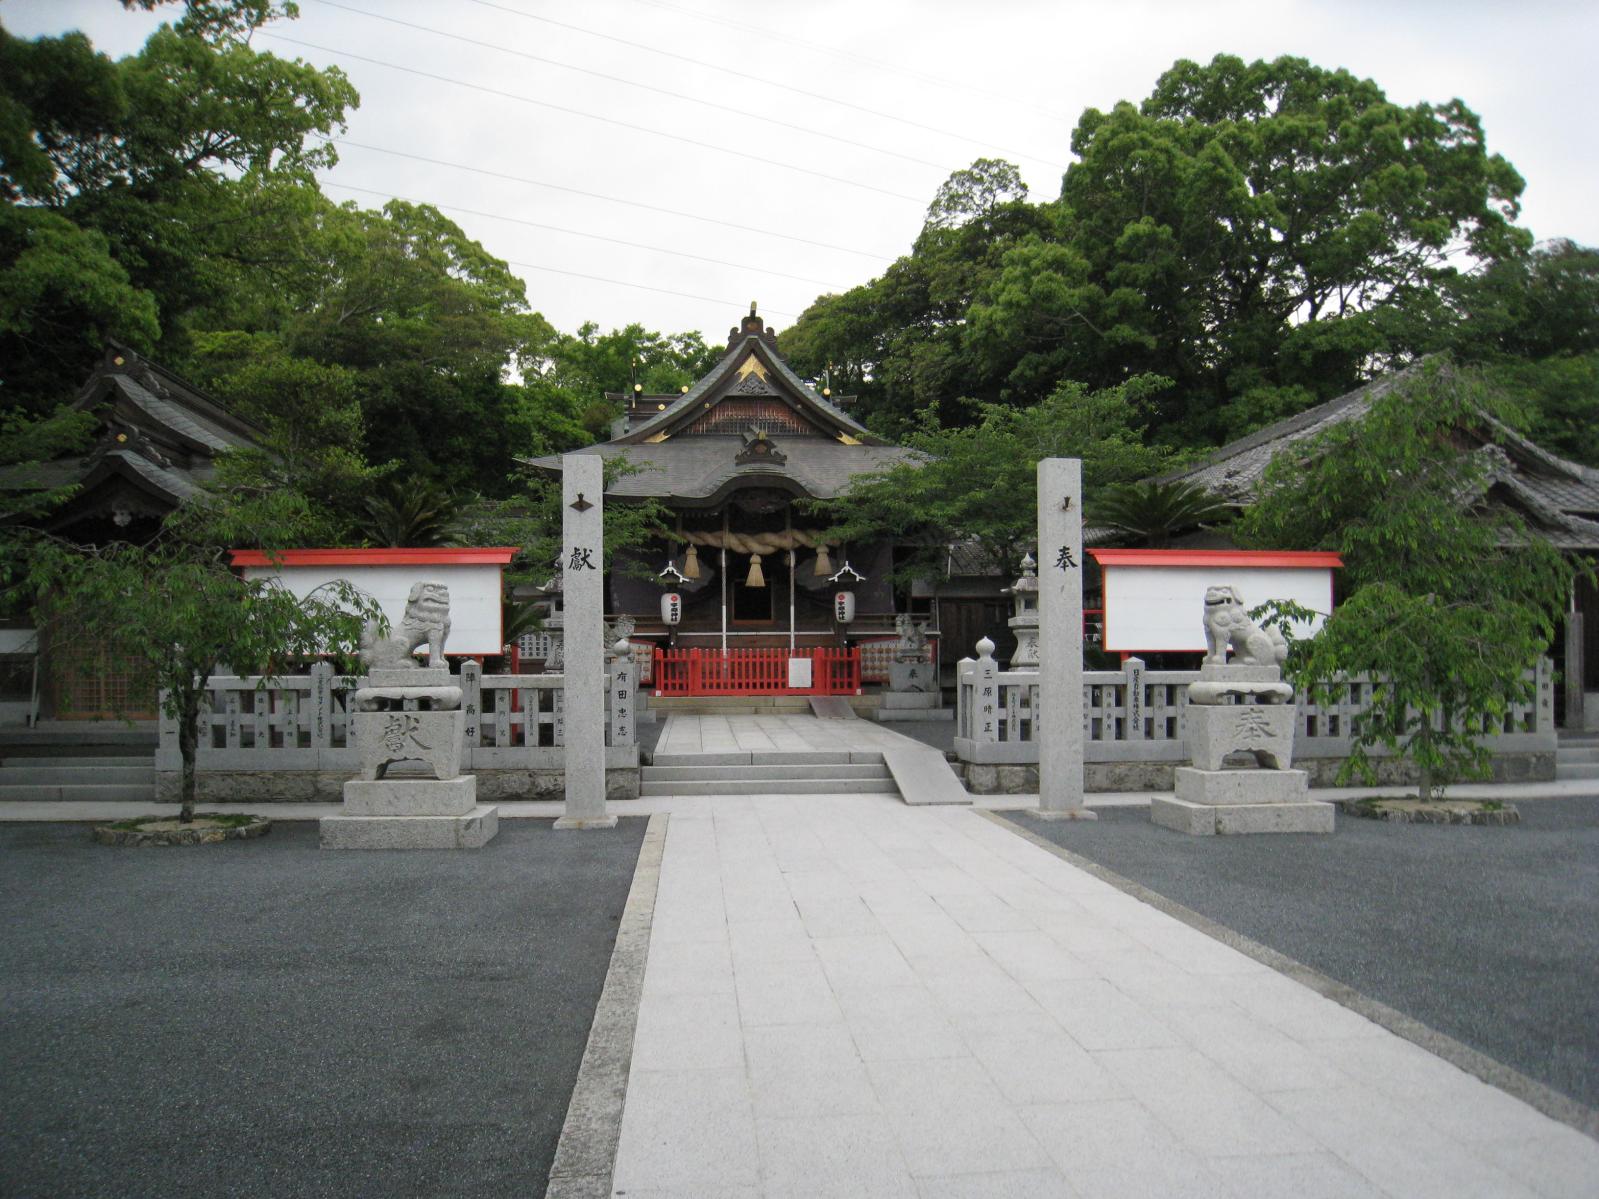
799,674
1155,609
474,594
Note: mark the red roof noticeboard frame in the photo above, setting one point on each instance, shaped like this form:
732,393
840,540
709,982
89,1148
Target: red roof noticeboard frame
1265,558
419,556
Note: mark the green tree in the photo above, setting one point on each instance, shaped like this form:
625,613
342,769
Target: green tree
1152,514
978,483
62,297
1451,598
568,377
1260,233
410,513
178,167
900,342
177,609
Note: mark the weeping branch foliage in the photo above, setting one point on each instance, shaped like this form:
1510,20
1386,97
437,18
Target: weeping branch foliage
1452,597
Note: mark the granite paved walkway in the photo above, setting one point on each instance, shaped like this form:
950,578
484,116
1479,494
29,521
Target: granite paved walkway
846,996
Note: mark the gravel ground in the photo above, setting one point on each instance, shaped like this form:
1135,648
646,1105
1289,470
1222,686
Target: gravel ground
1490,935
266,1018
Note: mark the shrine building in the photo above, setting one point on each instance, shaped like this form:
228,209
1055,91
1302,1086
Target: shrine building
736,458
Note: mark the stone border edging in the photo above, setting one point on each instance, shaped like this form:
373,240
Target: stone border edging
1365,809
1535,1094
585,1155
140,838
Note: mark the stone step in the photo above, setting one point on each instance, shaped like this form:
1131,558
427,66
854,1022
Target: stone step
77,793
768,758
1577,753
57,775
81,737
1577,770
900,715
790,786
71,761
676,774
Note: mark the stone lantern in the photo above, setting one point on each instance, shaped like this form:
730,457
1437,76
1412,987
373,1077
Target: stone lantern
1024,616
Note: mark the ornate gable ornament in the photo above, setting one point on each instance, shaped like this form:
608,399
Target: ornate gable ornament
752,384
759,450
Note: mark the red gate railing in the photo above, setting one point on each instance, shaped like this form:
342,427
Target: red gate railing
755,671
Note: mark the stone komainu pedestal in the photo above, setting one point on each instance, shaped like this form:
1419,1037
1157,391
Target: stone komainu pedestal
1269,798
440,812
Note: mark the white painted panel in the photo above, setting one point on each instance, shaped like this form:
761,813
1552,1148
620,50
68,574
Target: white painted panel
474,595
799,674
17,641
1162,608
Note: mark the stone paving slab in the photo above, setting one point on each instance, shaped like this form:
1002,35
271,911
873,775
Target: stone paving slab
848,996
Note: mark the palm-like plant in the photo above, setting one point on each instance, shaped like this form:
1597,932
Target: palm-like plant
1155,513
417,513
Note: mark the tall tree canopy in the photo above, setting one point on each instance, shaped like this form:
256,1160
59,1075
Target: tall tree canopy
137,190
1249,231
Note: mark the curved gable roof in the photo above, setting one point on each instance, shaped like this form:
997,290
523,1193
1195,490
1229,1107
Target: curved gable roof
721,380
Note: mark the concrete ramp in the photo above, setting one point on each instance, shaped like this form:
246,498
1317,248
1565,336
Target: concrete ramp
832,707
924,777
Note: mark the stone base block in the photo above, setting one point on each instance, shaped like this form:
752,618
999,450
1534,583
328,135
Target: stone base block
471,831
582,822
1211,672
410,797
383,738
1264,730
1241,786
910,699
419,676
912,676
1205,820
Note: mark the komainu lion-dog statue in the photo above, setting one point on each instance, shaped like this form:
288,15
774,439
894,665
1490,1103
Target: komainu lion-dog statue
1227,623
426,622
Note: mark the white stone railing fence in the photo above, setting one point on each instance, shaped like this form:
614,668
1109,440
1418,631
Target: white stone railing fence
1139,715
301,722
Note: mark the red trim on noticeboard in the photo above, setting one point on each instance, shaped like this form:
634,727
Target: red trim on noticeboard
488,556
1264,558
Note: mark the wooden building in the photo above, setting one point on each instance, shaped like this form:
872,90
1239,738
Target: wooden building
736,457
1556,498
153,446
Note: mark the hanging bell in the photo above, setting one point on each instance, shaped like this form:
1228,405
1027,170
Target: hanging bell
755,578
691,562
824,564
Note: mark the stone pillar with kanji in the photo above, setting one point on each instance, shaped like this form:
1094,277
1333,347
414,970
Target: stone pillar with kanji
583,673
1060,640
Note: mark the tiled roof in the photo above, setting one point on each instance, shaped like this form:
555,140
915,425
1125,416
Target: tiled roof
699,468
1559,496
695,395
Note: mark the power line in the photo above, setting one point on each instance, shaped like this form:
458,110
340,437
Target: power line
848,56
576,191
637,245
626,82
798,91
665,291
577,112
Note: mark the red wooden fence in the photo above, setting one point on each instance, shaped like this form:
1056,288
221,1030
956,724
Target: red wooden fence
755,671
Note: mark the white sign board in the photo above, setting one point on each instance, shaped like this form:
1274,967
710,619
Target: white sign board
474,594
1161,609
799,674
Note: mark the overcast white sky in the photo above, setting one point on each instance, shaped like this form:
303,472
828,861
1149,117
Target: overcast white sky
824,127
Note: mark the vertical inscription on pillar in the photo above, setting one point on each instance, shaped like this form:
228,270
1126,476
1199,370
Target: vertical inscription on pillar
1060,635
